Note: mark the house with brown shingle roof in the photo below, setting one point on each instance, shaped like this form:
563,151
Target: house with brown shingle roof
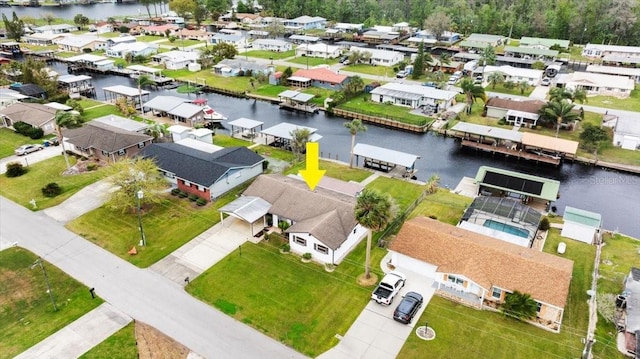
35,114
479,271
321,222
515,112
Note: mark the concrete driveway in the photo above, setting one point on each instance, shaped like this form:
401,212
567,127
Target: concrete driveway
375,334
31,158
540,92
85,200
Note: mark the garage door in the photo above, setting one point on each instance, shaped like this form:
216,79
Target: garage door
630,143
414,265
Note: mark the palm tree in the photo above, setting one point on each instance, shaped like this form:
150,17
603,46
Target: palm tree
559,111
374,210
579,95
354,127
523,86
472,92
157,130
66,119
444,59
355,85
559,94
519,305
495,78
143,80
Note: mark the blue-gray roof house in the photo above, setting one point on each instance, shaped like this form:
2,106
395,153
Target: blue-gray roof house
306,22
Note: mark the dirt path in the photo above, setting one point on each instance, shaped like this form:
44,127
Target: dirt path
152,344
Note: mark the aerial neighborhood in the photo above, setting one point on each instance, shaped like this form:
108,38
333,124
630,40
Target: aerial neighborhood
213,179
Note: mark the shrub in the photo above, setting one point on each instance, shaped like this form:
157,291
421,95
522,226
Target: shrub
15,169
175,191
87,50
193,197
285,247
51,190
22,127
35,133
92,166
201,202
306,256
544,224
183,194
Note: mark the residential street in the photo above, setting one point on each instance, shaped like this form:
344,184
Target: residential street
141,294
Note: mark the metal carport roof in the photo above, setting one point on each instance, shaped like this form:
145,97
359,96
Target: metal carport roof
385,155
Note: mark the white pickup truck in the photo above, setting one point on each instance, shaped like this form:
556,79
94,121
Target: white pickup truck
388,287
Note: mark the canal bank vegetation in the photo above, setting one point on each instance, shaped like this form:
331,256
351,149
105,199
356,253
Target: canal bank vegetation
363,104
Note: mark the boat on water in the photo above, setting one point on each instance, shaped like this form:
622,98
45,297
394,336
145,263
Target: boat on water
209,113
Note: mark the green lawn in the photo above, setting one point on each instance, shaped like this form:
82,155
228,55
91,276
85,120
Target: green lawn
632,103
312,61
270,90
363,104
167,226
181,43
149,38
66,54
317,305
610,153
10,140
461,330
234,83
444,205
228,141
87,102
28,186
385,71
122,342
335,170
264,54
100,111
27,316
277,153
404,193
514,91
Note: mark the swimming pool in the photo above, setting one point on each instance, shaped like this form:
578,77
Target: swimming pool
503,227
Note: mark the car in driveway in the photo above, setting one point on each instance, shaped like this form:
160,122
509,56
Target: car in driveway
545,81
408,307
26,149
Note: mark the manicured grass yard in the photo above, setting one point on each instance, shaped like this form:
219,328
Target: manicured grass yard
312,61
335,170
404,193
363,104
514,91
167,226
28,186
264,54
149,38
298,304
268,151
632,103
122,342
181,43
385,71
27,314
87,102
10,140
228,141
463,332
100,111
445,206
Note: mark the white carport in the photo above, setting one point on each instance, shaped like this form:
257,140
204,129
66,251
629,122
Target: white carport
247,208
382,158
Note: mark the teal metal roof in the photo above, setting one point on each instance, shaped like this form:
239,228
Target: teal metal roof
530,51
533,41
581,216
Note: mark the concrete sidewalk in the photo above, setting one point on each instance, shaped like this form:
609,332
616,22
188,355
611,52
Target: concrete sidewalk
80,336
202,252
85,200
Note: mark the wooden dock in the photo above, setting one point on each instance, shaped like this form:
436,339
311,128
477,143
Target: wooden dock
509,152
381,121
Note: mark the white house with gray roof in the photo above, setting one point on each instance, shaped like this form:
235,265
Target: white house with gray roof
380,57
176,60
413,96
176,108
515,74
272,45
598,84
626,133
237,40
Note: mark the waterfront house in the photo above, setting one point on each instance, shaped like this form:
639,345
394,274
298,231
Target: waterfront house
272,45
237,40
327,230
581,225
413,96
203,169
379,57
175,60
630,72
81,43
598,84
238,67
626,132
543,43
93,61
303,39
515,112
42,39
105,142
160,30
319,50
515,74
199,35
135,49
9,97
123,123
306,23
31,90
318,77
480,271
55,29
179,109
34,114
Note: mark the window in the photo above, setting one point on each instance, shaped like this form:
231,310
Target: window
320,248
497,293
300,241
141,145
121,152
455,280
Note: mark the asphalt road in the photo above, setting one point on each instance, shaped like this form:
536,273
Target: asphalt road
31,158
141,294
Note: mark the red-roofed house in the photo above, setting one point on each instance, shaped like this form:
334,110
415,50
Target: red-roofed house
318,77
160,30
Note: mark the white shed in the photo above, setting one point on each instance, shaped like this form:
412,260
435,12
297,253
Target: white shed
581,225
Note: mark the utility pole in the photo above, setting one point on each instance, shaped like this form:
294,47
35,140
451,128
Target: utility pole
38,262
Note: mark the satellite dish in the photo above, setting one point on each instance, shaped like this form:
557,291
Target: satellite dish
591,292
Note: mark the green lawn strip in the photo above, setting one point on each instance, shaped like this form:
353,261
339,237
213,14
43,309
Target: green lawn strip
385,71
312,61
363,104
491,335
167,226
270,90
264,54
28,186
234,83
27,315
149,38
122,342
228,141
632,103
181,43
66,54
100,111
87,103
279,154
610,153
250,286
10,140
335,170
514,91
404,193
443,205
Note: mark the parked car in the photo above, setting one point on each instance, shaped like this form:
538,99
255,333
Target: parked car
478,80
430,84
26,149
388,287
545,81
401,74
408,307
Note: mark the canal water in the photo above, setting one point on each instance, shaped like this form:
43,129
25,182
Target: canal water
614,195
94,11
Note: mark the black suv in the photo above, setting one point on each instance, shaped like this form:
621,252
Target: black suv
408,307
